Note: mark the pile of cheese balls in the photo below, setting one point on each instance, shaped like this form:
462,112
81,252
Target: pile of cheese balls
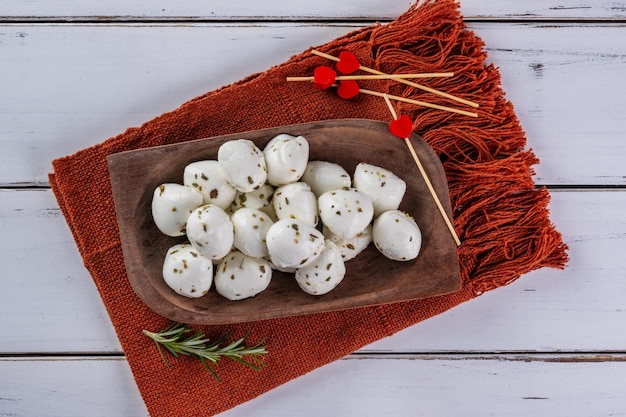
252,211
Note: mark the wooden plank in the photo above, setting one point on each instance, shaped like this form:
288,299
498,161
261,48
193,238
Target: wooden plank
49,303
557,10
297,9
567,95
68,387
70,86
556,386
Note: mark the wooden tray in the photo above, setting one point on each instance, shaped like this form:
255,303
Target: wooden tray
370,279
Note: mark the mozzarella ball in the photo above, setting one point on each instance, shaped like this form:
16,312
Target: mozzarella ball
239,276
325,176
187,272
250,227
293,244
208,179
260,199
286,157
384,187
171,205
350,248
397,236
324,273
296,201
345,212
210,231
242,164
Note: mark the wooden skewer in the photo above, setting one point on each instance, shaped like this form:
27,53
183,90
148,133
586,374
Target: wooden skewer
380,76
418,102
400,80
425,176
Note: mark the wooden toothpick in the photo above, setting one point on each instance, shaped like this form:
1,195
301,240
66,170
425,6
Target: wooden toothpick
380,76
425,176
418,102
403,81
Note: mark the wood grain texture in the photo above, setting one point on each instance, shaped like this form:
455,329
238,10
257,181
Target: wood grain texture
564,81
48,298
73,386
136,174
124,75
299,9
491,385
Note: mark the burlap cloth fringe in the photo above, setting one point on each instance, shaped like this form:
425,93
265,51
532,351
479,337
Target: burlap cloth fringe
499,214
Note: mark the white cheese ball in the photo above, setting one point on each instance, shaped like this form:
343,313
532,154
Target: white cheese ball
324,273
187,272
384,187
210,231
286,157
260,199
325,176
397,236
345,212
171,205
350,248
239,276
296,201
250,227
293,243
242,164
208,179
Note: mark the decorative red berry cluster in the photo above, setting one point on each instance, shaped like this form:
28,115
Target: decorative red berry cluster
325,77
347,63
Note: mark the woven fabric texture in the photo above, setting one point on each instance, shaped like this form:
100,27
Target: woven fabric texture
499,214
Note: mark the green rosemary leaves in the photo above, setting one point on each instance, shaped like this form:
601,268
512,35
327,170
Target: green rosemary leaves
179,339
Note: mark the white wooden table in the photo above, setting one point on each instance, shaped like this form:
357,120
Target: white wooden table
75,72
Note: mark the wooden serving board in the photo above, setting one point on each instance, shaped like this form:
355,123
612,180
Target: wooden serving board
371,279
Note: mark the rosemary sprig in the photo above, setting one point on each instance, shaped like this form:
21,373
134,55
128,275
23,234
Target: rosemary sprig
177,340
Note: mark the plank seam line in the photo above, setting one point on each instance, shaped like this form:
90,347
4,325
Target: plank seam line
529,356
114,20
551,187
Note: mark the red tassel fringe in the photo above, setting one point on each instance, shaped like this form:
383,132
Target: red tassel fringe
501,218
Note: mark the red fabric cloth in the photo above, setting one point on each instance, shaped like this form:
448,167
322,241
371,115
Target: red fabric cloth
500,216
